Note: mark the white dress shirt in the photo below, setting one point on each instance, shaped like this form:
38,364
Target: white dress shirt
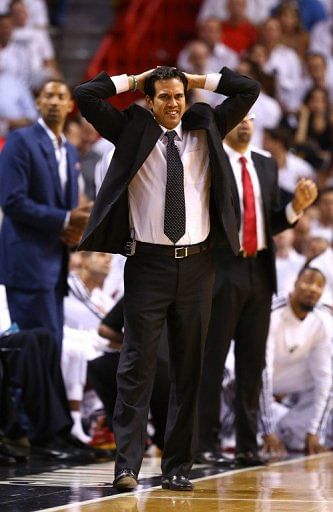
60,153
298,358
294,169
147,189
234,158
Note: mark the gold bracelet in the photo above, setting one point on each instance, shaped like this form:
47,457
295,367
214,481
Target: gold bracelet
135,83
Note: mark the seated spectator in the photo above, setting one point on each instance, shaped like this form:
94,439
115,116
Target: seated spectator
258,54
282,62
256,10
315,246
299,349
302,233
291,167
293,33
17,105
38,16
288,262
102,373
84,307
209,31
316,74
14,59
266,109
38,43
237,31
324,263
31,363
323,225
88,157
315,128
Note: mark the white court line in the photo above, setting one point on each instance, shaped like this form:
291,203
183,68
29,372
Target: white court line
78,504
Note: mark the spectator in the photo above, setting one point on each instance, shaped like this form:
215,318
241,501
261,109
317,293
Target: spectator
293,33
17,105
88,158
256,10
314,134
323,225
299,350
291,167
84,308
209,31
315,246
302,234
36,41
39,195
324,263
237,31
317,74
284,63
266,109
288,262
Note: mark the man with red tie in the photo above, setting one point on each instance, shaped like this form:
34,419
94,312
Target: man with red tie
244,286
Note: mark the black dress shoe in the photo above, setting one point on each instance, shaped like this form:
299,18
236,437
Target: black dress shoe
176,483
248,460
214,459
125,480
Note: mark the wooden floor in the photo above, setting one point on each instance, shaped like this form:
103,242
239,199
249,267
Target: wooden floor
304,485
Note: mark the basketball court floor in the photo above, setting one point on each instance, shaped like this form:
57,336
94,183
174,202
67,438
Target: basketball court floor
303,484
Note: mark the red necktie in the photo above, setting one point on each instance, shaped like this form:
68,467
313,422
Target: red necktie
249,214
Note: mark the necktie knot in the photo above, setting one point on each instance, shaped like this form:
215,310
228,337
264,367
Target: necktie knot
171,136
243,160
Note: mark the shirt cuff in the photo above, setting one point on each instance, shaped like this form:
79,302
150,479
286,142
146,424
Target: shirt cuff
120,83
66,221
291,215
212,81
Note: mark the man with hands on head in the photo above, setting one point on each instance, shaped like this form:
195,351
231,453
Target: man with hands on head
299,363
165,200
242,294
39,198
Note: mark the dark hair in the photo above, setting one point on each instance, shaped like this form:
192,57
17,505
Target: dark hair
54,80
313,89
322,192
280,134
163,73
307,266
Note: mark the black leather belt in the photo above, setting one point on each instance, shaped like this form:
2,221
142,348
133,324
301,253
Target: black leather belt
177,252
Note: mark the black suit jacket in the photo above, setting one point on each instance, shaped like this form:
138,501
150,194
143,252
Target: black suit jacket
135,132
275,219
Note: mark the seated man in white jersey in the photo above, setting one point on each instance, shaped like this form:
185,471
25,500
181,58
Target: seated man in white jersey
84,307
297,381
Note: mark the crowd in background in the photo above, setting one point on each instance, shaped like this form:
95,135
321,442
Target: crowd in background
285,45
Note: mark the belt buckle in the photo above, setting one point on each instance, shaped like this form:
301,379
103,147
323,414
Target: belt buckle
178,255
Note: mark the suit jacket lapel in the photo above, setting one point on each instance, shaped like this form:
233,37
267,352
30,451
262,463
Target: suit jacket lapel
47,149
71,187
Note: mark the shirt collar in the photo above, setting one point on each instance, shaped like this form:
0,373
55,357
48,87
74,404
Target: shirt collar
234,155
178,129
50,133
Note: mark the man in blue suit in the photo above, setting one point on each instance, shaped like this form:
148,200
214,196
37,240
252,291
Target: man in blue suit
39,198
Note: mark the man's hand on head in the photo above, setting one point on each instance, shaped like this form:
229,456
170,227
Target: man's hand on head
305,194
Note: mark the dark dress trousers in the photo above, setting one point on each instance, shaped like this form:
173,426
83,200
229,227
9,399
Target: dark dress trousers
159,287
241,311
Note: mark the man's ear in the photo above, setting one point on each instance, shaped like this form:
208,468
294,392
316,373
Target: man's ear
149,102
70,106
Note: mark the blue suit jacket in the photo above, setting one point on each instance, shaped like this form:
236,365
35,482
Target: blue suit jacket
35,206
